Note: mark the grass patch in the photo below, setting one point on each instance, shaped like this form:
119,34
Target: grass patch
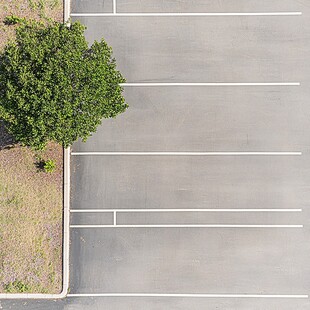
17,287
30,222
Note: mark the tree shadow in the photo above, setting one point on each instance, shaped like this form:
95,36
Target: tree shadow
6,140
39,165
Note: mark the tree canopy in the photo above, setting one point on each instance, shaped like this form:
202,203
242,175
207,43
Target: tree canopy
54,87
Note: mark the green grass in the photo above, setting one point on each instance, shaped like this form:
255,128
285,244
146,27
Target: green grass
17,287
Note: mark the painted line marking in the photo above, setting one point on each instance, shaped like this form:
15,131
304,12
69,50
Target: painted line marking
186,14
209,84
180,210
187,153
191,295
187,226
114,218
114,7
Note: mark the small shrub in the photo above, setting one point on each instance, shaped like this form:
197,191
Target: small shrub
49,166
14,200
13,20
16,287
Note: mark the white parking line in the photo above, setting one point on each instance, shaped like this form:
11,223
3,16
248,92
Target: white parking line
114,218
114,7
179,210
192,295
186,226
210,84
186,153
186,14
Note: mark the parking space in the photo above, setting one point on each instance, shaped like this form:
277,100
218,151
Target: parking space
139,182
186,6
198,119
202,6
197,196
91,6
189,260
193,49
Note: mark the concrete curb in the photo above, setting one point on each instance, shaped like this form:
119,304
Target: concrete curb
66,220
66,10
66,223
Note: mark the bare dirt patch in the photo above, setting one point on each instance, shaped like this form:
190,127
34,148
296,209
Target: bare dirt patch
31,9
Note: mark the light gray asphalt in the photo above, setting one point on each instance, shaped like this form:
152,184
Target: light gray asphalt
213,119
191,182
203,5
242,119
155,304
192,260
199,260
200,49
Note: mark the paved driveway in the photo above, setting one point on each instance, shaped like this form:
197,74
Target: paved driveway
198,196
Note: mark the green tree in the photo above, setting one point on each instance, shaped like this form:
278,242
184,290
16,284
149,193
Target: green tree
54,87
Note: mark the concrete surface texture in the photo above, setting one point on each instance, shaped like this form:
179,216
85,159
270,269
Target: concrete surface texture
149,249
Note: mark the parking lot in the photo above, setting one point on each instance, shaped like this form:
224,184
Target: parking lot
198,195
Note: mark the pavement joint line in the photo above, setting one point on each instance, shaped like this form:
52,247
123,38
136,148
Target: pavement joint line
186,226
192,295
178,210
193,14
146,84
186,153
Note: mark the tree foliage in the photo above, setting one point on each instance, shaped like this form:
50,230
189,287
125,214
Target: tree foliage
53,86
